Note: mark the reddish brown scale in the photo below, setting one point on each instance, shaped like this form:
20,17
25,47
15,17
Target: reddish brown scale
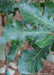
37,27
50,33
53,33
49,28
42,25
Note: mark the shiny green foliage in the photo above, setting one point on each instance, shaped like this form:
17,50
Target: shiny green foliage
39,32
7,6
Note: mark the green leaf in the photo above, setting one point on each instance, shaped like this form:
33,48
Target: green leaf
34,15
52,48
49,9
3,40
26,11
52,0
2,52
16,45
46,42
41,43
12,53
17,31
25,0
26,74
30,60
10,18
7,6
